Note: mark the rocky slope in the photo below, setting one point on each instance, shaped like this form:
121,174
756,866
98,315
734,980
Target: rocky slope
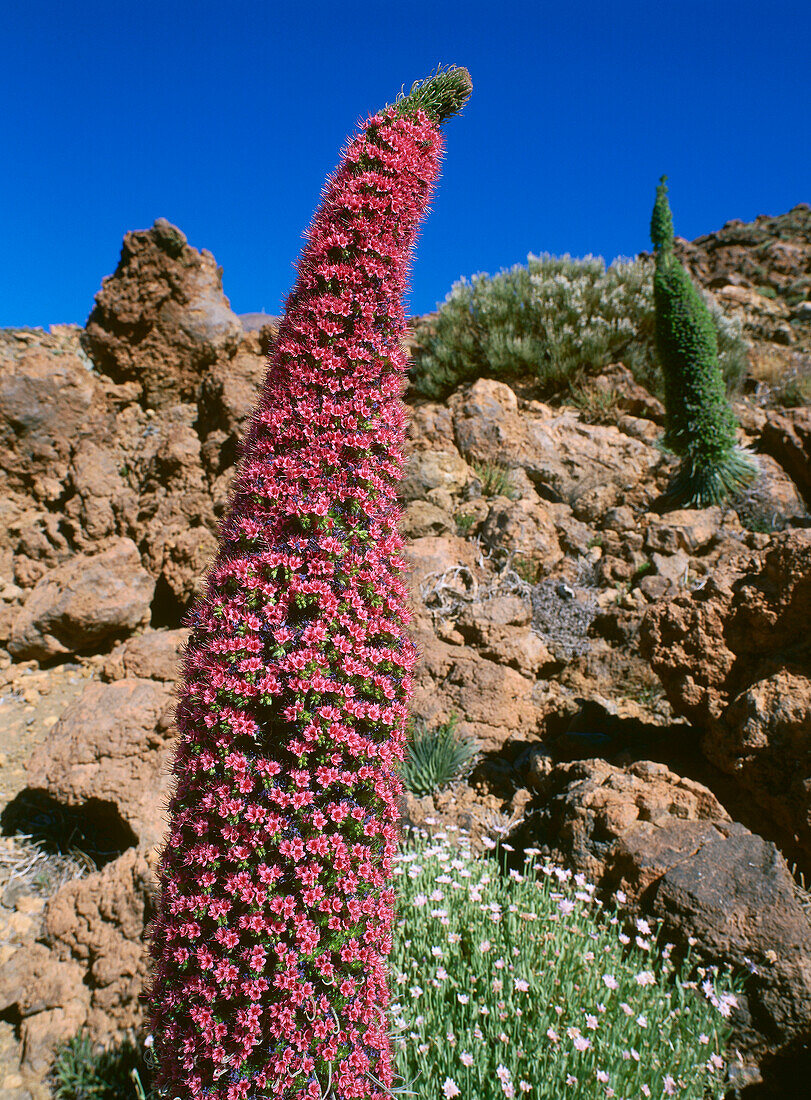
638,681
761,272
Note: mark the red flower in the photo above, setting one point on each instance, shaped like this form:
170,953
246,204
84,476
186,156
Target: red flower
285,668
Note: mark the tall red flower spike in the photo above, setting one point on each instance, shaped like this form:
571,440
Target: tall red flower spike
275,904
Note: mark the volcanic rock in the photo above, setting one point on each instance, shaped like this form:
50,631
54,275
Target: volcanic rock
161,319
83,603
111,749
734,657
90,965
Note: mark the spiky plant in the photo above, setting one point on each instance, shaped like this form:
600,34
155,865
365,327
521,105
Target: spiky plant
436,758
700,424
275,903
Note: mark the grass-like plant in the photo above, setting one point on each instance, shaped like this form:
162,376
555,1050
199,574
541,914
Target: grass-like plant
82,1072
597,406
436,757
700,424
274,915
495,480
524,985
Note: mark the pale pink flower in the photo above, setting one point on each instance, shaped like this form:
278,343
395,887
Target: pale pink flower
646,977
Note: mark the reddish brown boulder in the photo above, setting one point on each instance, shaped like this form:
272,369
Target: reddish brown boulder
83,603
48,404
153,655
627,395
103,503
177,516
586,806
500,630
773,502
736,898
433,469
51,998
493,701
161,318
487,425
430,427
230,389
90,964
591,467
689,529
113,746
32,539
433,556
525,529
422,519
786,436
734,657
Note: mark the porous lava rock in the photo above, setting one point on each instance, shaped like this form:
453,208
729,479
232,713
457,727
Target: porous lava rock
161,319
525,529
500,630
591,467
49,403
108,753
734,658
89,965
153,655
495,700
786,436
83,603
433,469
50,997
228,394
583,807
177,521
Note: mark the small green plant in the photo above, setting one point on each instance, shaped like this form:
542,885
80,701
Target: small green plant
596,405
465,523
81,1071
700,425
643,570
435,758
495,480
527,570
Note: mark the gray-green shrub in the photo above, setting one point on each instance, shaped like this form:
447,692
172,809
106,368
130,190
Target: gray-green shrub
557,319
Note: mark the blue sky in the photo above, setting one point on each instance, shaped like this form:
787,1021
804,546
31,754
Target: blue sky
226,119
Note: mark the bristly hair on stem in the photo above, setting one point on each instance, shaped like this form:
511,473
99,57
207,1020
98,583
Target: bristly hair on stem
441,95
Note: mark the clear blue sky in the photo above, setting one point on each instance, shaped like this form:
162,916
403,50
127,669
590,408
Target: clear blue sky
226,118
